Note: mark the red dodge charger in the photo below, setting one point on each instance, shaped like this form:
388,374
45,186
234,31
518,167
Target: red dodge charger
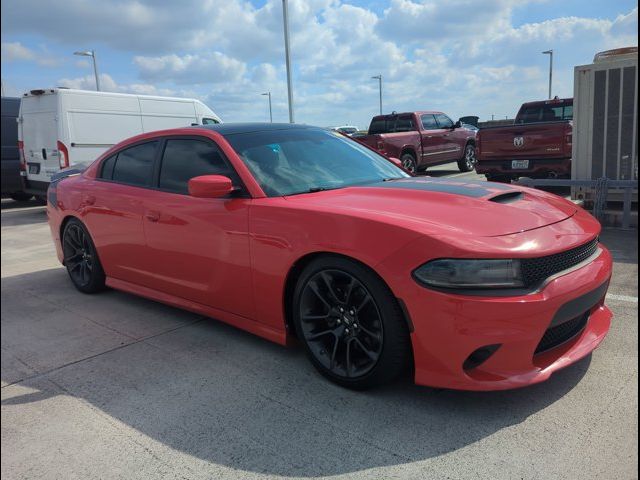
293,231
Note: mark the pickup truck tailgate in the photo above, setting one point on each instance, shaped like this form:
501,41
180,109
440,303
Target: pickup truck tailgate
542,140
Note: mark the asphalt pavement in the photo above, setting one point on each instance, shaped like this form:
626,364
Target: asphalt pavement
114,386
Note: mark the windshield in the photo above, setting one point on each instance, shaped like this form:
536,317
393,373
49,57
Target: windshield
288,162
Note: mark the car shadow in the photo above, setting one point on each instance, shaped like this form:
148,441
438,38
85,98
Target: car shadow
227,397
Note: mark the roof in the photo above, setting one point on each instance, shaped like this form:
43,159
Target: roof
234,128
417,112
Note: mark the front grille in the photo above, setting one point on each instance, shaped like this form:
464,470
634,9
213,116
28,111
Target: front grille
536,270
564,332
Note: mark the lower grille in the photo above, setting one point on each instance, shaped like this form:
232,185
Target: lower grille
564,332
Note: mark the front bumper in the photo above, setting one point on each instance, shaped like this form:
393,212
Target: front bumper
447,328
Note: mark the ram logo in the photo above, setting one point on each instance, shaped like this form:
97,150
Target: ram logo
518,141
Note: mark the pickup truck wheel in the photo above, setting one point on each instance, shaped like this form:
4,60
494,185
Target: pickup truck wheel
468,160
409,162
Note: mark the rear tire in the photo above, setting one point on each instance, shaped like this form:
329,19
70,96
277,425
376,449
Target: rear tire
81,258
468,160
350,324
21,196
409,163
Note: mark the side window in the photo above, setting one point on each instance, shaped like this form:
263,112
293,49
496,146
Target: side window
404,124
134,165
429,122
444,121
106,171
209,121
568,112
184,159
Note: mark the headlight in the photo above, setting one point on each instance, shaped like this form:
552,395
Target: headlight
462,273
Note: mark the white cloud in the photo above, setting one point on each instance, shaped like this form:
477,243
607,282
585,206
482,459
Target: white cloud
108,84
16,52
456,56
215,67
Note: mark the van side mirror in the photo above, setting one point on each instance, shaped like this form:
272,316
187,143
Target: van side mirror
210,186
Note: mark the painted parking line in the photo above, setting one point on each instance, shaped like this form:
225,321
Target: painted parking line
623,298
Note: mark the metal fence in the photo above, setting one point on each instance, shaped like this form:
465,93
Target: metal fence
601,188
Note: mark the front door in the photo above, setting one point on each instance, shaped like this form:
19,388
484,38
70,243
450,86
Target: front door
198,247
433,140
451,150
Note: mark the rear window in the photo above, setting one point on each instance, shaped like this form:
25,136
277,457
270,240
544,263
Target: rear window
545,113
394,124
134,165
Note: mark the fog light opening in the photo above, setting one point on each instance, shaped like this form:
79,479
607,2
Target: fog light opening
479,356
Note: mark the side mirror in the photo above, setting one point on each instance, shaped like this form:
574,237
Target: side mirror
396,161
210,186
458,124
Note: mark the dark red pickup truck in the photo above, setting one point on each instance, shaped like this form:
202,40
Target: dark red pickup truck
537,145
422,139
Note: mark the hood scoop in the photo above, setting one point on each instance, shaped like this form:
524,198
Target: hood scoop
508,197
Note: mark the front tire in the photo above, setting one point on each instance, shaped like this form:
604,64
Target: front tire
468,160
81,258
350,323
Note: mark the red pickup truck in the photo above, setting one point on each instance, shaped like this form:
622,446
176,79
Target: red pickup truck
422,139
537,145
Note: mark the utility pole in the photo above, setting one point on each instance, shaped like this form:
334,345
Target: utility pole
550,53
379,78
270,111
285,15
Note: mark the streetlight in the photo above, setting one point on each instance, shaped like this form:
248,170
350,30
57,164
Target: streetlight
379,78
270,111
550,53
285,15
92,54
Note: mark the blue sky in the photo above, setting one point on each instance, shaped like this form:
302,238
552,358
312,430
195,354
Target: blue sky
461,56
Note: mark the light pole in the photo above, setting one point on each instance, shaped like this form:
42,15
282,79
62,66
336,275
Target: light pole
92,54
285,15
379,78
270,111
550,53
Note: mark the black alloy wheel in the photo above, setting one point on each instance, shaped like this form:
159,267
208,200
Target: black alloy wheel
81,259
350,324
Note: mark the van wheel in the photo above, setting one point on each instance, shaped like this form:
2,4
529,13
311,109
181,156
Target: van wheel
81,258
468,160
21,196
350,323
41,199
409,162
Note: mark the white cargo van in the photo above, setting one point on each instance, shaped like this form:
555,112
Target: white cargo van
64,127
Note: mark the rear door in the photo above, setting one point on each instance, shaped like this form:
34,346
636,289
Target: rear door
198,248
39,132
114,207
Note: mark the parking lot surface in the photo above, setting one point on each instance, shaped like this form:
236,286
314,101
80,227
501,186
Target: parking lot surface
115,386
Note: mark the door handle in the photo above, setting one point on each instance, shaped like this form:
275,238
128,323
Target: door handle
152,216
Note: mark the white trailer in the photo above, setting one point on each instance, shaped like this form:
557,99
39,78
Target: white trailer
64,127
605,120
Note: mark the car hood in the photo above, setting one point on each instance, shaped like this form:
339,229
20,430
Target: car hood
439,206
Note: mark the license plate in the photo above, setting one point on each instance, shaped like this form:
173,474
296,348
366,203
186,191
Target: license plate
34,168
519,164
